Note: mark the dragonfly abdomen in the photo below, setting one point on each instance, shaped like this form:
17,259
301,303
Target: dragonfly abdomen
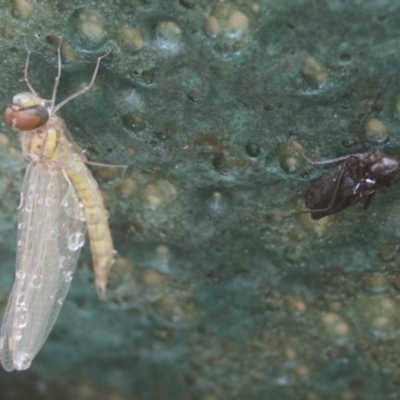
96,215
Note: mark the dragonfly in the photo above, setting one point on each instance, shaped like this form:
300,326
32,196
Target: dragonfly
60,199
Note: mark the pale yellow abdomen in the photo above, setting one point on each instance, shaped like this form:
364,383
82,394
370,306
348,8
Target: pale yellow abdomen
97,221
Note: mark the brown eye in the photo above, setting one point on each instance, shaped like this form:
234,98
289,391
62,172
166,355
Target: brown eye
26,119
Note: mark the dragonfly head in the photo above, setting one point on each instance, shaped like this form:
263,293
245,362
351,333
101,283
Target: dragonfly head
26,113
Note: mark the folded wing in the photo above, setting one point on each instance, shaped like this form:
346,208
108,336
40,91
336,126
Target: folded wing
51,232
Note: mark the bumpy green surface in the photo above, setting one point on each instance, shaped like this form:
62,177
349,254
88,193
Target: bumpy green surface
215,296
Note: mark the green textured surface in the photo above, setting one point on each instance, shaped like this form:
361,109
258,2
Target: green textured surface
216,297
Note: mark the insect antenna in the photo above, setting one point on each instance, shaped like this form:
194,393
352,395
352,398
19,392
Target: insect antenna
56,80
79,92
26,79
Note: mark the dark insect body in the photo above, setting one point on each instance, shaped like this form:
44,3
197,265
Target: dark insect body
358,176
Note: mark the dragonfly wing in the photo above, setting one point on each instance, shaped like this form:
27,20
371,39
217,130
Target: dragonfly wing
51,232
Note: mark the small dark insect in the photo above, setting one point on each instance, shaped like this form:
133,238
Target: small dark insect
358,176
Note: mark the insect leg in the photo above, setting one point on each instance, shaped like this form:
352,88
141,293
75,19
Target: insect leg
335,191
333,199
86,88
26,79
312,162
369,201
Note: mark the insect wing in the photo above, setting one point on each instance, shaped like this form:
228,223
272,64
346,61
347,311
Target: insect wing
51,232
338,189
321,192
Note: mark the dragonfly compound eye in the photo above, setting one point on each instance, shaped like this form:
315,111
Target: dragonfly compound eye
26,119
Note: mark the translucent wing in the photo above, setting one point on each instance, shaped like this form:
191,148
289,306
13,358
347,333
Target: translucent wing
51,232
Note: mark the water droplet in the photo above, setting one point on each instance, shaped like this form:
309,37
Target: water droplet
169,36
20,275
60,301
68,276
314,72
78,167
22,361
252,149
21,298
62,261
134,122
18,335
216,203
82,215
130,39
21,317
49,201
54,232
76,241
88,28
376,131
36,281
40,200
114,257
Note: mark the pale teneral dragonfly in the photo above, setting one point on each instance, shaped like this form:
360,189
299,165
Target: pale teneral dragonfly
59,199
